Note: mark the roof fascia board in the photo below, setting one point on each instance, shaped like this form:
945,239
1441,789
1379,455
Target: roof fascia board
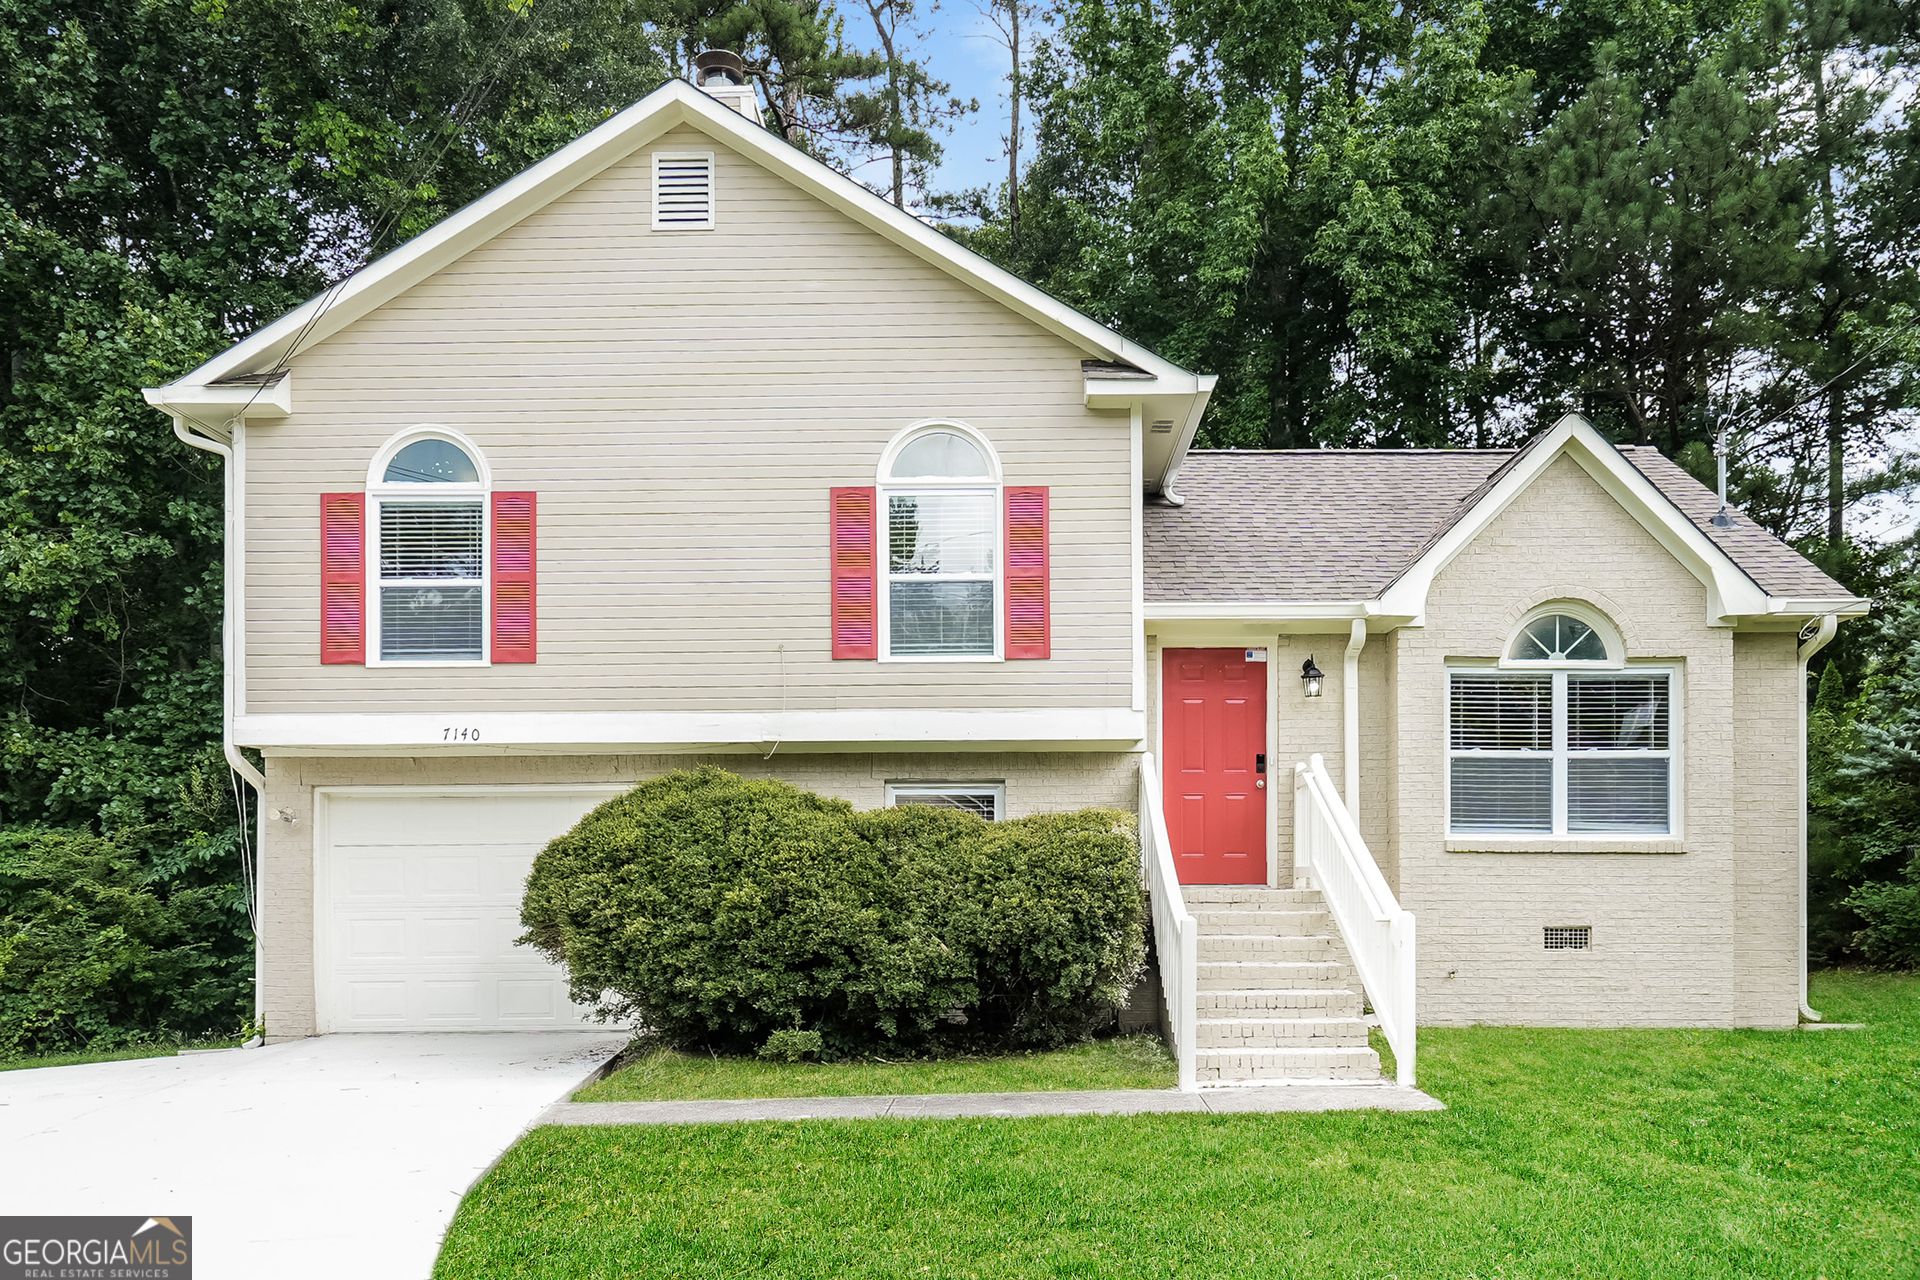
224,403
674,103
1178,458
1730,592
1269,611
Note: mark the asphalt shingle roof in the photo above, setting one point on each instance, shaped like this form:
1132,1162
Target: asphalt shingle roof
1342,524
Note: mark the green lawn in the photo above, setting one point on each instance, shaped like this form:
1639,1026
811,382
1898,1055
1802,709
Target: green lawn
1564,1154
80,1056
1131,1062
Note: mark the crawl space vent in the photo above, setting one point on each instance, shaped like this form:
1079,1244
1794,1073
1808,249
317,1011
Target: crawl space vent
1569,937
682,191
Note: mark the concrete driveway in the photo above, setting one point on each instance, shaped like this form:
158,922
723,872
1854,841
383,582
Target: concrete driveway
338,1156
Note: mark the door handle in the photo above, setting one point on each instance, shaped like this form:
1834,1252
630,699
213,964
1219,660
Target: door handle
1260,783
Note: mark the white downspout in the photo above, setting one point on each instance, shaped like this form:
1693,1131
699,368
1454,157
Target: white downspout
1813,644
1350,698
228,675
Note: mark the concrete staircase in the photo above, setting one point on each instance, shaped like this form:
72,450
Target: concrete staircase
1279,1001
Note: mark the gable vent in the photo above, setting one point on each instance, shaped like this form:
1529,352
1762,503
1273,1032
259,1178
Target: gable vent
1164,427
1569,937
682,190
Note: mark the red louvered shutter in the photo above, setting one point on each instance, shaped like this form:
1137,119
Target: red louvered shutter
516,630
1029,633
855,585
343,577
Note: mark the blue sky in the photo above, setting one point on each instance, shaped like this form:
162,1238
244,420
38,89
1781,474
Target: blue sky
960,47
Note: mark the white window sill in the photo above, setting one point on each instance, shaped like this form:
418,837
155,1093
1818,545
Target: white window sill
1566,844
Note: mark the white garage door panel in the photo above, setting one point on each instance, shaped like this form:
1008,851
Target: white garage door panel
421,906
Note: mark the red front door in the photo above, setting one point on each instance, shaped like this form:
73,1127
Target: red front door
1214,733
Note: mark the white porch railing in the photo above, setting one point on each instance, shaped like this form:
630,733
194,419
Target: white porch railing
1176,934
1378,934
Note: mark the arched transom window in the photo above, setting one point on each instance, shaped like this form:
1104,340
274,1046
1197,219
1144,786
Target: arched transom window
428,494
1558,637
940,589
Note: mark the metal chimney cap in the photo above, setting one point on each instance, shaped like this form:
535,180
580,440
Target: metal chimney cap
718,66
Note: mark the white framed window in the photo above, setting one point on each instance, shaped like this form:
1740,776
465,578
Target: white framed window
1561,753
683,191
428,554
1564,634
983,799
940,511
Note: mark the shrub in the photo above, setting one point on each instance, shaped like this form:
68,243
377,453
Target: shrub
95,953
1892,915
723,913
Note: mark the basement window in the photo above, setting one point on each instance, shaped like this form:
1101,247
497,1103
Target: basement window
986,800
683,191
1568,937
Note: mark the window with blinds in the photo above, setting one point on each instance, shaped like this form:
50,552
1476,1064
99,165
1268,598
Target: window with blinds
942,550
1560,753
432,558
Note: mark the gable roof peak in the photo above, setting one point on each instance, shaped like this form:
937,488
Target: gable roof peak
674,103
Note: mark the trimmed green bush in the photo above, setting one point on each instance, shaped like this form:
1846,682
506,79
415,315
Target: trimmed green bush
96,951
720,912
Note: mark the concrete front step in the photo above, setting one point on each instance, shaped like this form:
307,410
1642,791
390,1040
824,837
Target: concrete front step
1252,896
1247,1066
1291,924
1279,1002
1255,946
1280,1033
1254,975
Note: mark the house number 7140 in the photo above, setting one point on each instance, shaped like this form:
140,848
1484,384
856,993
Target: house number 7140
459,735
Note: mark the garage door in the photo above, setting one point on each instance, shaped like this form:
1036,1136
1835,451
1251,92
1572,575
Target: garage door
420,904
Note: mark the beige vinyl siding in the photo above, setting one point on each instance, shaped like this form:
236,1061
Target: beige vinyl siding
682,401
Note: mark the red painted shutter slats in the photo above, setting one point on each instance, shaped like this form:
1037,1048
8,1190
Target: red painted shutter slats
855,586
1029,630
343,577
516,630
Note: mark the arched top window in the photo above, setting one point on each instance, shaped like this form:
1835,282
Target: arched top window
939,453
428,455
1564,634
431,461
940,555
426,508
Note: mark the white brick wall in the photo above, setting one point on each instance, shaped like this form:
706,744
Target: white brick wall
1701,937
1035,783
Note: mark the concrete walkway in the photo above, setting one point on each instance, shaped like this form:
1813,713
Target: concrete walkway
339,1156
951,1106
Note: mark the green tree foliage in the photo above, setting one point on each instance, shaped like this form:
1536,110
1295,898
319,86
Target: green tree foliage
97,948
1864,786
732,914
173,174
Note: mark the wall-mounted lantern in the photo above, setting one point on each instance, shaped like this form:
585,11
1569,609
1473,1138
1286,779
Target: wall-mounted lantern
1311,676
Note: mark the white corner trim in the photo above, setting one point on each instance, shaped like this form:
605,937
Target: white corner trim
479,733
674,103
1730,592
